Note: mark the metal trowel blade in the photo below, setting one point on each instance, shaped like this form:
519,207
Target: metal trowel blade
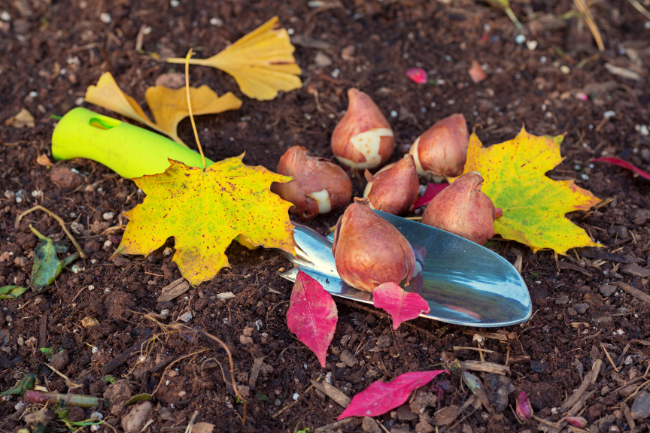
463,282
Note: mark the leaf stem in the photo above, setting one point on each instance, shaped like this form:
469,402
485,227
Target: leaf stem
189,103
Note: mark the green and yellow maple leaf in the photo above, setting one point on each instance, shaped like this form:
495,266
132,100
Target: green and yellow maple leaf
534,206
205,210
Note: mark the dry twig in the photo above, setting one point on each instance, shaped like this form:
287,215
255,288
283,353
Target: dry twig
82,253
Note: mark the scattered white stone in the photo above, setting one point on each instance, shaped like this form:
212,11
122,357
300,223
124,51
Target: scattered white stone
37,193
644,130
608,114
4,16
95,349
108,243
531,45
10,194
108,215
91,288
96,415
216,22
295,396
226,295
393,113
105,17
79,101
167,252
335,73
520,39
174,3
186,317
565,69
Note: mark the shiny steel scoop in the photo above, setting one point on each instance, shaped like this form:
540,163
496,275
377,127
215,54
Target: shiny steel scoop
463,282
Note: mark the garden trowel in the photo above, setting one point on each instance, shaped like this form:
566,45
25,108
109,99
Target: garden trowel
463,282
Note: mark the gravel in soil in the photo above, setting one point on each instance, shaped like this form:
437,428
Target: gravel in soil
98,318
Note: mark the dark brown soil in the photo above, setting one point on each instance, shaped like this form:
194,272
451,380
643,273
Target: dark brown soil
548,356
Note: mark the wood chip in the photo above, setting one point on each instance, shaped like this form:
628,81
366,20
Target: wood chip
174,290
622,72
634,292
487,367
596,253
255,372
636,271
587,381
571,266
332,392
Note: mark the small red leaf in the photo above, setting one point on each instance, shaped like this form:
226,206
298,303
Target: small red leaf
433,189
624,164
401,305
381,397
312,315
417,75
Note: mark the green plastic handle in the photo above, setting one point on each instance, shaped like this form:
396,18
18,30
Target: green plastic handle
126,149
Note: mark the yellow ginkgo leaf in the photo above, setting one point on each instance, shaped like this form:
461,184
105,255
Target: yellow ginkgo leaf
168,106
261,62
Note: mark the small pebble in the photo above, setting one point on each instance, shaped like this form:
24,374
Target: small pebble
520,39
581,308
565,69
185,317
174,3
295,396
335,73
608,114
562,300
538,367
606,290
531,45
105,18
393,113
108,215
216,22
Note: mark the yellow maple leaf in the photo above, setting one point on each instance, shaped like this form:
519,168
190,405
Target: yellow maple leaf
168,106
261,62
534,206
205,210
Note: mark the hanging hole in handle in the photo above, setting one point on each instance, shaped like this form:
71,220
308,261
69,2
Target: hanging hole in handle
105,123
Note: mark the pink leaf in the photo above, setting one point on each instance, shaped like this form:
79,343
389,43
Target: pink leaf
401,305
381,397
417,75
312,315
433,189
624,164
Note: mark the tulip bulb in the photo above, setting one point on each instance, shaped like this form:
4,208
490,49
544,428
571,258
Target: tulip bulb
363,138
463,209
442,150
395,188
369,251
319,185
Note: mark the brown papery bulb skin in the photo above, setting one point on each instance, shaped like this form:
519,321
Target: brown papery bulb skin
319,185
395,188
369,250
363,138
442,150
463,209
